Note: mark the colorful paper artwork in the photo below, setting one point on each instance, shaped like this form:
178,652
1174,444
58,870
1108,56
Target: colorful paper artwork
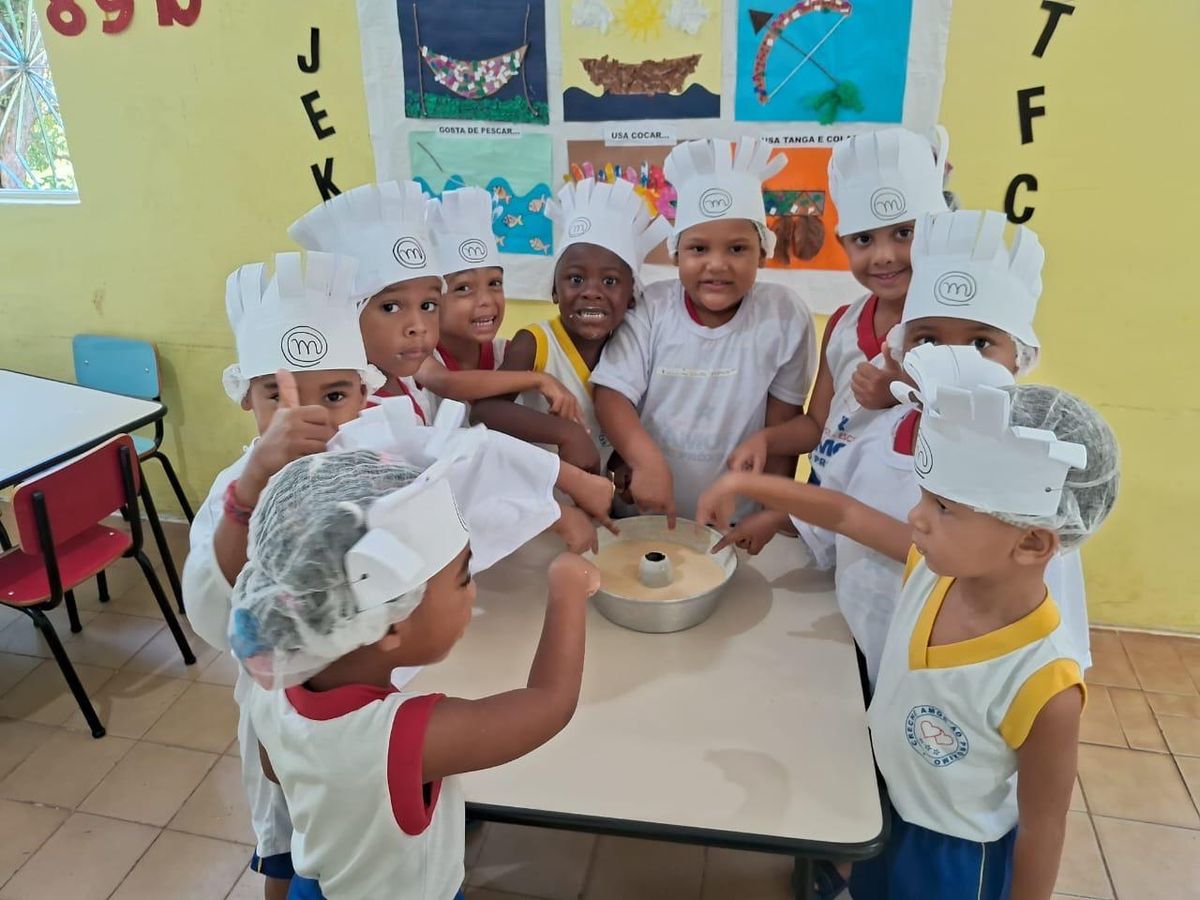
461,66
641,59
801,215
642,166
822,60
515,171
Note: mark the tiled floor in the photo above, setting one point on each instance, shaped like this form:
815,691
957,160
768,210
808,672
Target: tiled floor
155,810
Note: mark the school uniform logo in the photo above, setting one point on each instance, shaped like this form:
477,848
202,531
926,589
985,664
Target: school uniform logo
888,204
935,737
303,346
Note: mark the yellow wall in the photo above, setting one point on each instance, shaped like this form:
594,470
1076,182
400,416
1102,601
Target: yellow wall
192,153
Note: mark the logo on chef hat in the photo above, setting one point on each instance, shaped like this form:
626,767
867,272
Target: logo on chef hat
955,289
715,202
304,346
888,203
935,736
922,457
473,250
579,227
409,253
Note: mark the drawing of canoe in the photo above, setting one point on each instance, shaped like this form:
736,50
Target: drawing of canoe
651,76
474,79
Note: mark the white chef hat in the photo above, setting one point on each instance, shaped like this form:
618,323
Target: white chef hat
962,269
460,227
609,215
380,225
884,177
714,181
303,319
934,366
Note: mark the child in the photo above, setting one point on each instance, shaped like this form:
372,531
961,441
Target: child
399,287
362,566
876,468
302,372
874,180
705,361
606,234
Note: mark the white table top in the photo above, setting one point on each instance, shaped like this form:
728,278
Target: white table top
748,729
44,422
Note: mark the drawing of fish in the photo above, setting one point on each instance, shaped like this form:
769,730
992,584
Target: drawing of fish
535,206
499,193
513,221
500,240
539,245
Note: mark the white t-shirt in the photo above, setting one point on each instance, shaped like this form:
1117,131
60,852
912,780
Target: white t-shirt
946,721
349,761
555,354
702,391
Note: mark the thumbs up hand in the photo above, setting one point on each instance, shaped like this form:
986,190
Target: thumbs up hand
872,381
295,431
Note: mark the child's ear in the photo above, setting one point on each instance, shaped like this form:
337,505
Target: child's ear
246,401
391,640
1037,547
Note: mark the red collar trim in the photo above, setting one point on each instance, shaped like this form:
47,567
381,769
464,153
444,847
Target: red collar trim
691,308
448,359
487,357
906,433
321,706
869,342
411,399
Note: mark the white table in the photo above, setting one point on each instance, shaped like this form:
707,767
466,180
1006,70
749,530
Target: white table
45,422
747,731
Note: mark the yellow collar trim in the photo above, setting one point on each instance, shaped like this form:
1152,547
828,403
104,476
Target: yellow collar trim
569,348
541,351
1036,625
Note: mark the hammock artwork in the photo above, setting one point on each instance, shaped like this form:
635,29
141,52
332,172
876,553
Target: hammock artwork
477,81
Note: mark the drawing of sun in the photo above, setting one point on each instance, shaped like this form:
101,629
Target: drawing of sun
641,19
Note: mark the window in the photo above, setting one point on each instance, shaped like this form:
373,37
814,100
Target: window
34,162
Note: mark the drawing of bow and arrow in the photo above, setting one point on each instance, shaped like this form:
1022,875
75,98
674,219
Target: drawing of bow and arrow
843,95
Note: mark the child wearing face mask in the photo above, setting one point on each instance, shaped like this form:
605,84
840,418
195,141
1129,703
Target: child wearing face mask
606,234
706,360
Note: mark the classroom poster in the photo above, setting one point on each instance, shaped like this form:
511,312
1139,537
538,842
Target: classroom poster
490,66
640,59
515,171
801,215
642,166
822,60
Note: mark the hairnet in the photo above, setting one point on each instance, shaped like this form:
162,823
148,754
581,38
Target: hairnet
294,610
1089,493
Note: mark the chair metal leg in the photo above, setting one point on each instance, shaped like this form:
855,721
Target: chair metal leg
44,625
72,612
164,550
175,485
164,605
102,586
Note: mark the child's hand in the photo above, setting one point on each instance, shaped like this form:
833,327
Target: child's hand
754,532
571,576
750,455
872,386
592,493
295,431
562,402
715,506
653,490
576,529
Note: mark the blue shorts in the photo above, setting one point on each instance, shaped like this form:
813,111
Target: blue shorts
307,889
277,866
919,864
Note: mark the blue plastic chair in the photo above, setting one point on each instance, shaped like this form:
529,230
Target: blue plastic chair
130,367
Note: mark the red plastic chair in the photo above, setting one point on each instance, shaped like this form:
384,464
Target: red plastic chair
63,543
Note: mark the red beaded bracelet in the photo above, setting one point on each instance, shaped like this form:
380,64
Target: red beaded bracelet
235,510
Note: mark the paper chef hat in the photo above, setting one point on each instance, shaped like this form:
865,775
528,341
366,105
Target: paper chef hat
460,227
380,225
885,177
713,181
962,269
933,366
609,215
967,450
302,319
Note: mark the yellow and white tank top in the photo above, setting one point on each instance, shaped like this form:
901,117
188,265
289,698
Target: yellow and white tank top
946,721
557,355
